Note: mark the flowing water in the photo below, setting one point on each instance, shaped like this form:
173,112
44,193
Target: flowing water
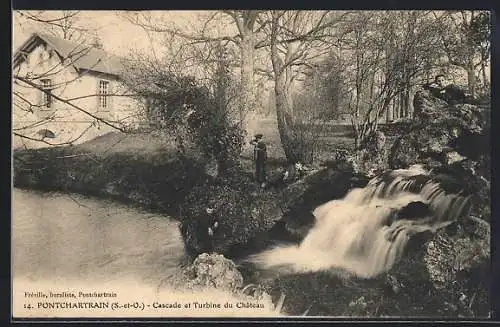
72,243
362,233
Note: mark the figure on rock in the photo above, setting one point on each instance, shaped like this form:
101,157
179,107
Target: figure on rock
448,92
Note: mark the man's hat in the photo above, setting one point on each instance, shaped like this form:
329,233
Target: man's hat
258,136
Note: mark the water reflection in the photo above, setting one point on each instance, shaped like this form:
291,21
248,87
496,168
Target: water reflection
72,236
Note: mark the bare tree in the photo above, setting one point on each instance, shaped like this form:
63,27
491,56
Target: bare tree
381,56
65,24
296,38
379,59
245,38
465,41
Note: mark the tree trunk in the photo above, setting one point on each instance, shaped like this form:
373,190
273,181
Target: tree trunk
285,122
247,84
401,105
471,78
395,108
406,92
357,132
392,109
483,70
387,112
284,118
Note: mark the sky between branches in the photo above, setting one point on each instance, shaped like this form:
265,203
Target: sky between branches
117,34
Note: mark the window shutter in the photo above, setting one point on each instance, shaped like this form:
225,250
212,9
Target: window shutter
40,94
98,92
46,101
110,95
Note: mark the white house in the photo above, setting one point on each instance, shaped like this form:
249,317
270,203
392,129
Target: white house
77,78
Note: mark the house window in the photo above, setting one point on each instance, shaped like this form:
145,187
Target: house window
103,97
46,84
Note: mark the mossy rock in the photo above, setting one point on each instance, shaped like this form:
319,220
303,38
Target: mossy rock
218,217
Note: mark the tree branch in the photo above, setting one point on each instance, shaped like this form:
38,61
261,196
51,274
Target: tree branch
68,103
55,144
48,21
174,31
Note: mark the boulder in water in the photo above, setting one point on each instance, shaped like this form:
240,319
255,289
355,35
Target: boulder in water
453,142
213,270
237,215
414,210
443,129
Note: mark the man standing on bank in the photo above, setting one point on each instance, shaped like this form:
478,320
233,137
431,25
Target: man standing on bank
260,158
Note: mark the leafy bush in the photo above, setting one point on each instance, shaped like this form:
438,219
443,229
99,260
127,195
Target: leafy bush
215,135
195,116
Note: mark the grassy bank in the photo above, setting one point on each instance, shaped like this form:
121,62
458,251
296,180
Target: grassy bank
141,169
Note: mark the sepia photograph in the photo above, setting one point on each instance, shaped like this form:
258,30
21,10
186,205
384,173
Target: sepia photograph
251,164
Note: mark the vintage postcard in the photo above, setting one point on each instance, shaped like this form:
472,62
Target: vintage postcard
251,163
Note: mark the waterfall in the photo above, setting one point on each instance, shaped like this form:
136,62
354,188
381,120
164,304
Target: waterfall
367,231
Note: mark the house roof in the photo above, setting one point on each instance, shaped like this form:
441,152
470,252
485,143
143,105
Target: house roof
82,57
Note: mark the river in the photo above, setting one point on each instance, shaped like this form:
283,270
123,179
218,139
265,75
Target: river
70,243
58,235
